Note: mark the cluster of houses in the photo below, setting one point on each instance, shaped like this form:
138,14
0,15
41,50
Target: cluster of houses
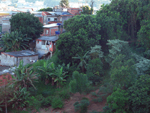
46,44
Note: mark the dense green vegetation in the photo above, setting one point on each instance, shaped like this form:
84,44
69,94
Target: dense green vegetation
14,41
109,50
46,9
64,3
28,24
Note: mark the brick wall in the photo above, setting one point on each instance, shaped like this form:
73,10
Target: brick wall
53,32
4,79
41,19
49,31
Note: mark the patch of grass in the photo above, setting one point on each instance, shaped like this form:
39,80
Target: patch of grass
45,90
57,102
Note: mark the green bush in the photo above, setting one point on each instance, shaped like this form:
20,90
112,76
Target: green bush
57,103
82,106
94,111
123,72
95,70
139,95
79,83
64,94
35,102
47,101
118,102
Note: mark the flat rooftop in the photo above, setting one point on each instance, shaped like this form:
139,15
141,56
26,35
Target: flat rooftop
20,53
48,38
50,25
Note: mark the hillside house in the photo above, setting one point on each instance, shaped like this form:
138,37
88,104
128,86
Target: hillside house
14,58
46,44
50,29
55,17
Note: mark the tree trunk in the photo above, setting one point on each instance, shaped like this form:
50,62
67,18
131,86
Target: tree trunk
46,81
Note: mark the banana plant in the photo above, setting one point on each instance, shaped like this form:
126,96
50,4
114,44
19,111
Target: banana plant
20,98
14,41
24,76
83,60
60,76
47,70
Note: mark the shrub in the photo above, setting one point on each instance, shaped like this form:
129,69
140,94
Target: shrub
57,102
47,101
118,102
94,111
140,95
35,102
79,83
122,71
64,94
82,106
95,70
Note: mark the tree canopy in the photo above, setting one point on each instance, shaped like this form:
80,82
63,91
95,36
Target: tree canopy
46,9
28,24
78,38
86,10
64,3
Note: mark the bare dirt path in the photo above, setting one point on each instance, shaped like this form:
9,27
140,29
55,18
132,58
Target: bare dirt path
69,108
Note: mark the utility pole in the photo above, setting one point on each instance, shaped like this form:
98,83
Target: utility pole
92,3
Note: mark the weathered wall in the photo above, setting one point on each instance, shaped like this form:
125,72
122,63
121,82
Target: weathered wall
41,52
27,60
64,18
8,60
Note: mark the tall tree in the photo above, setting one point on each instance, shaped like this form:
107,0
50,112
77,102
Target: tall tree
27,24
79,37
64,3
86,10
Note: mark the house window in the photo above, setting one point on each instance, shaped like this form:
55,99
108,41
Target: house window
49,19
43,42
55,19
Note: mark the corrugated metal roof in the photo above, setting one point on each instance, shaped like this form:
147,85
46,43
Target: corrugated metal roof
48,38
21,53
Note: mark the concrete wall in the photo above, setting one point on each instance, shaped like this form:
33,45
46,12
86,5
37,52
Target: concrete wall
41,52
8,60
27,60
64,18
41,44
